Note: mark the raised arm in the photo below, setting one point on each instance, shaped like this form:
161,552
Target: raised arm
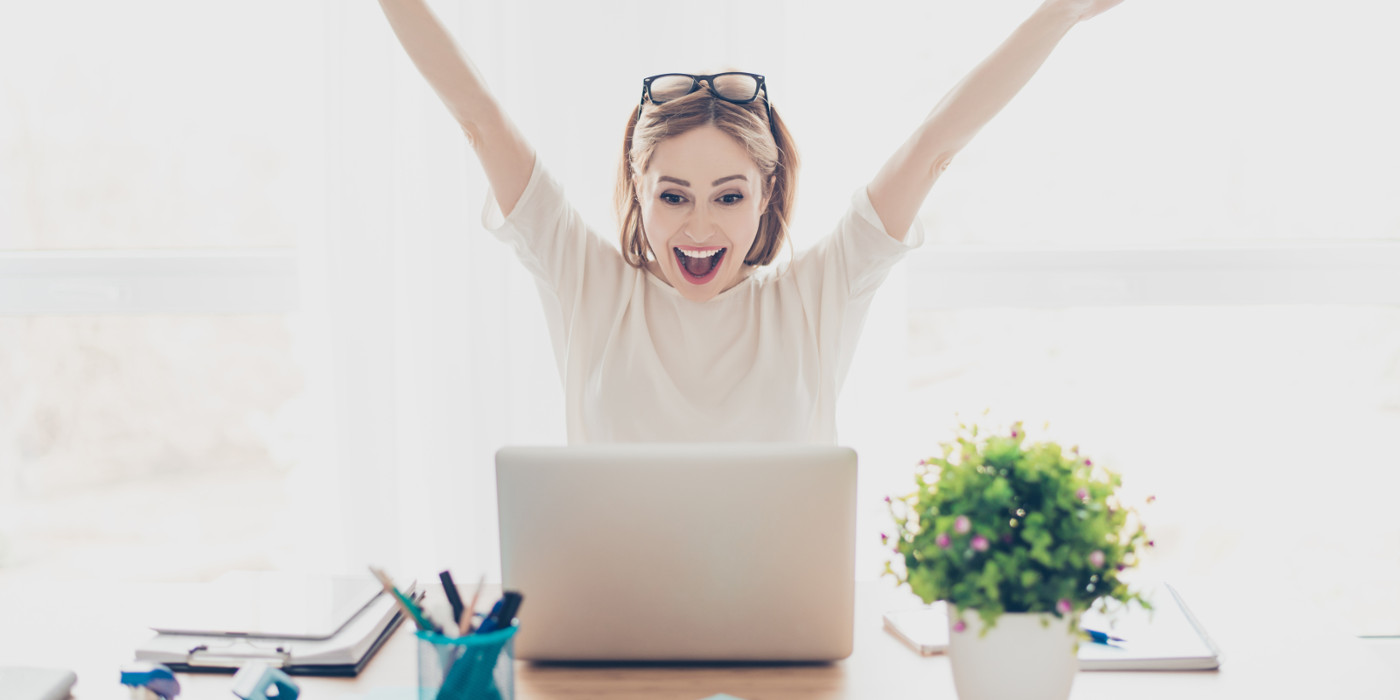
899,189
504,153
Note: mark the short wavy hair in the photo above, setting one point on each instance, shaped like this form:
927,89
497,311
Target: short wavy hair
772,150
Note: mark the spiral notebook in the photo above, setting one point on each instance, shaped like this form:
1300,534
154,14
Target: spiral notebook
1168,638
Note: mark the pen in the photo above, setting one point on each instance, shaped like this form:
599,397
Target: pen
455,600
502,613
419,617
468,621
1098,637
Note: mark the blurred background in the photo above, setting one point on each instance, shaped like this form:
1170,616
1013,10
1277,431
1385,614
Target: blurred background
248,318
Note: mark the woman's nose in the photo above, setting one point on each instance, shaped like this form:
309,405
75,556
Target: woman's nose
699,227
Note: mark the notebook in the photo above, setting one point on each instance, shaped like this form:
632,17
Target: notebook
283,605
343,654
25,683
1169,638
674,552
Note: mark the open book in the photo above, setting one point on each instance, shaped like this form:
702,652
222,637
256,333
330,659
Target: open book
1166,638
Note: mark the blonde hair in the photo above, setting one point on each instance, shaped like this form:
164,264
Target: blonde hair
771,150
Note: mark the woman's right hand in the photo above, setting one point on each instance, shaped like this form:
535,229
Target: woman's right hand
1082,10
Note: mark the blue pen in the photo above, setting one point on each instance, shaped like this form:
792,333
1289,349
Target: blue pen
488,623
1098,637
501,613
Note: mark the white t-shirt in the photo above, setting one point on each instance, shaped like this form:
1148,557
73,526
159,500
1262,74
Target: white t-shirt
761,361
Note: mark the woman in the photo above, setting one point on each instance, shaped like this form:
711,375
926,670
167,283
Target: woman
686,334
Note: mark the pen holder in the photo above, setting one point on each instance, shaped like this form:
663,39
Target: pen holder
473,667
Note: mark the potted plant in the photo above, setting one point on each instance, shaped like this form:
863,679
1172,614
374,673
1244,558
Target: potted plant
1019,539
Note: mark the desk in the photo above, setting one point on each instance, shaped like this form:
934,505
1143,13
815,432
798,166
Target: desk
1265,656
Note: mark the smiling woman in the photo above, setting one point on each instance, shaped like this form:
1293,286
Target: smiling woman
679,340
701,344
700,224
700,135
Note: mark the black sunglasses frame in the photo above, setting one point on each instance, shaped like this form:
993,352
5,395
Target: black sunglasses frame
710,83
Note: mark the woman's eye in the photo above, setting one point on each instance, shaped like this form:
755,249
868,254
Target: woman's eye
677,199
731,198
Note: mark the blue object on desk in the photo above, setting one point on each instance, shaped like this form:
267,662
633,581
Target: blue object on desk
1098,637
472,667
502,614
157,678
252,681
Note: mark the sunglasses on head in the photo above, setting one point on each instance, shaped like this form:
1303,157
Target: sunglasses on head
739,88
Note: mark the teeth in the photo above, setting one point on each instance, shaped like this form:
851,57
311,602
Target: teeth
699,253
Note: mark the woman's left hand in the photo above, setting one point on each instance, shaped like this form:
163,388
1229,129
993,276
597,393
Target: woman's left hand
1082,9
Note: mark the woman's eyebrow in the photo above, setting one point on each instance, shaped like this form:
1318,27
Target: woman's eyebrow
686,183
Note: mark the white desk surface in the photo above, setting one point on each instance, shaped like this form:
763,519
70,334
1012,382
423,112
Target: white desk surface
1270,651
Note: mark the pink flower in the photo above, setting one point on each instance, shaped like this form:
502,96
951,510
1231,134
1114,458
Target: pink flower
1096,559
959,626
943,541
1088,462
979,543
1015,434
887,499
1063,606
1082,494
962,525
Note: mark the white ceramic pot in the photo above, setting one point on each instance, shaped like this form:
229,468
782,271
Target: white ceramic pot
1019,658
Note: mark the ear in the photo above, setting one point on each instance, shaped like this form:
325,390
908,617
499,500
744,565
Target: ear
768,193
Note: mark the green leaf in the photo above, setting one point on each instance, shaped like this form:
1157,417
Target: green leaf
997,478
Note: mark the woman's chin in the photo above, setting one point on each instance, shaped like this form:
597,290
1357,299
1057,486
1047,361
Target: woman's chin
697,292
694,291
721,280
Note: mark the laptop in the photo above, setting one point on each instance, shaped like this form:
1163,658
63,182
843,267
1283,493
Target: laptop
680,552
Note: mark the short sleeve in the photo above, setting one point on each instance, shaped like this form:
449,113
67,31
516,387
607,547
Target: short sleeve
542,228
839,275
579,276
866,248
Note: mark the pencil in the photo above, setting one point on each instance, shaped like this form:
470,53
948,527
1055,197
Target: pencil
468,622
419,616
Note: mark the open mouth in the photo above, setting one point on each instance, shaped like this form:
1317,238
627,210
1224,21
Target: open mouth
699,267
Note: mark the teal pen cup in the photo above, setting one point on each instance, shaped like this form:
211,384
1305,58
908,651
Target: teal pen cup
474,667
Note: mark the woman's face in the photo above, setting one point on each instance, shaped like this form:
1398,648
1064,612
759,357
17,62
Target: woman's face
701,199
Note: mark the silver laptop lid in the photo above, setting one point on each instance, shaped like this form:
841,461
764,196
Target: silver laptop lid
680,552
